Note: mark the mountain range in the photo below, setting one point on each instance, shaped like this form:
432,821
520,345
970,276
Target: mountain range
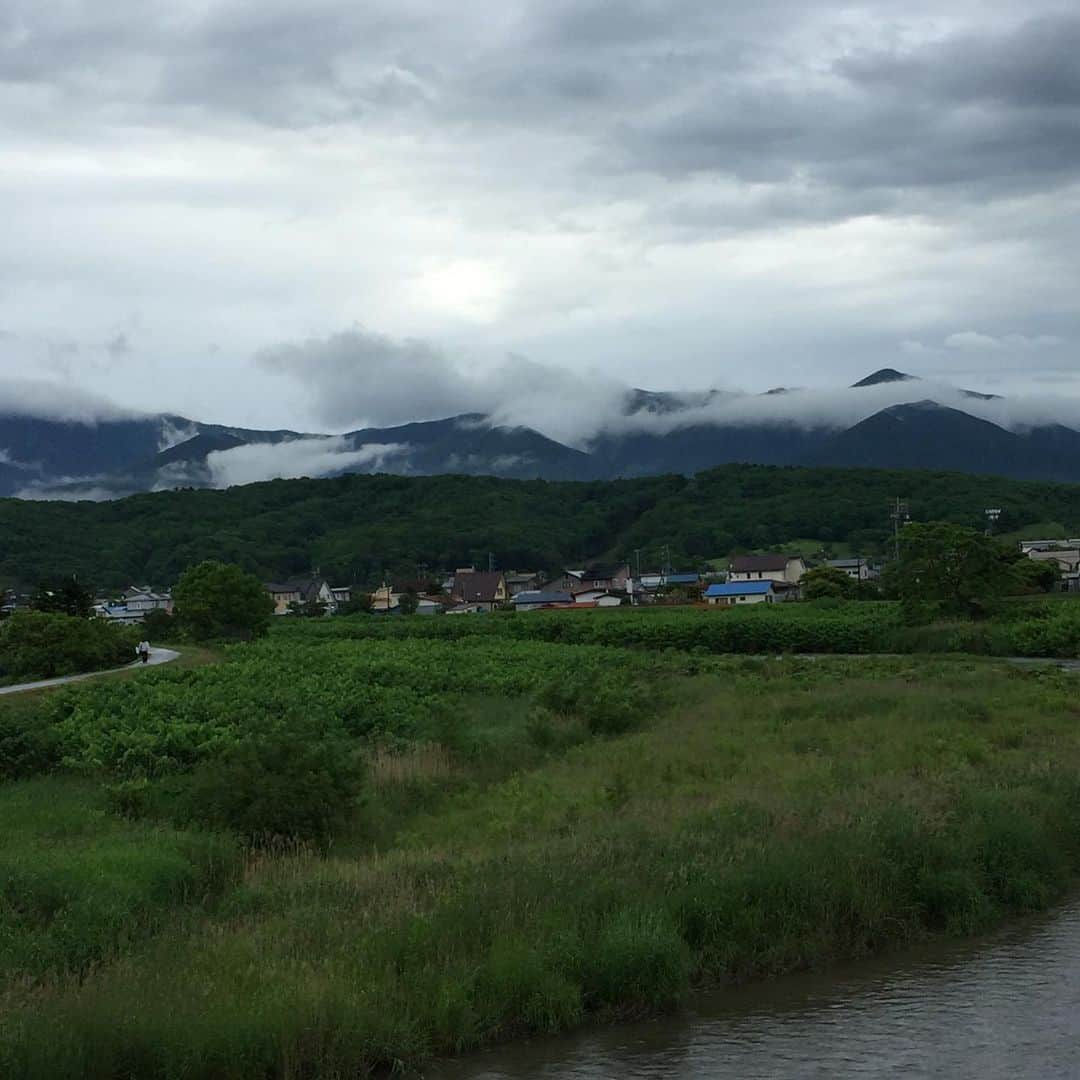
653,433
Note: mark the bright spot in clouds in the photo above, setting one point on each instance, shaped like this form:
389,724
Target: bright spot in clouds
465,289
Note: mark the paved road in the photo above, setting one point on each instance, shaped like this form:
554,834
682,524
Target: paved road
157,656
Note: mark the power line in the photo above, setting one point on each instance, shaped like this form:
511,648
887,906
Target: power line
901,515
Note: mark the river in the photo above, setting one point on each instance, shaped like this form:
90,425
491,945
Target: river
1007,1005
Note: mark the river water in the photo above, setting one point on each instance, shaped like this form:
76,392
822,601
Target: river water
1007,1005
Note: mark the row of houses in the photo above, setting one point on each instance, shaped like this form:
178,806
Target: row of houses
134,604
769,578
289,595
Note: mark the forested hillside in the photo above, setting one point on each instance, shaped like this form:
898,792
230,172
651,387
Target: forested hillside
354,528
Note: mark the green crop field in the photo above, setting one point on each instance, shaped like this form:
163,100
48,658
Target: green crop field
1033,627
361,843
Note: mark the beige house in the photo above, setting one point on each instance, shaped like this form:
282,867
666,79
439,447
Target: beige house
283,594
484,590
286,593
782,569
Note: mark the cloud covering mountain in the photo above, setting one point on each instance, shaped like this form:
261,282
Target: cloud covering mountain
542,423
681,194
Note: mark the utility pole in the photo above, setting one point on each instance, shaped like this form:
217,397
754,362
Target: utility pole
667,559
900,517
637,559
491,561
992,516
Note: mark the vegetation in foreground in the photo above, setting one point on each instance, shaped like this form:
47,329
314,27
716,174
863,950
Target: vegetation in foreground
534,834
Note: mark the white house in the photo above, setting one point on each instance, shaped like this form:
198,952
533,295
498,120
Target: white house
1067,558
135,604
598,597
1028,546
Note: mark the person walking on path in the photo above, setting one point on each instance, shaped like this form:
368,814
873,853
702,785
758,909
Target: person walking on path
144,651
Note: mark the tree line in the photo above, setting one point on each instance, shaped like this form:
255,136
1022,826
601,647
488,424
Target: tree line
356,529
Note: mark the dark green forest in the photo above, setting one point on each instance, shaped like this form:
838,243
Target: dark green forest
356,528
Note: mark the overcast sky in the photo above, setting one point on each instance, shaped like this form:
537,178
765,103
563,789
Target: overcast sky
321,214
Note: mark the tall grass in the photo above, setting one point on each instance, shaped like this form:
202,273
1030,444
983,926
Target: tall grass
788,813
78,886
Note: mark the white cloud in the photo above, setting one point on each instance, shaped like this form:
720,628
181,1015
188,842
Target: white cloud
971,340
298,457
55,401
371,378
74,492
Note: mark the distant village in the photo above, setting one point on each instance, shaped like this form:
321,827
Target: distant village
768,578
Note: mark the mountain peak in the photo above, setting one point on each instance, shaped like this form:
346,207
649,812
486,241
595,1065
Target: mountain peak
885,375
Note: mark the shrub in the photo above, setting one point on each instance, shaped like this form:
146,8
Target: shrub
29,744
639,961
128,798
42,645
282,785
606,705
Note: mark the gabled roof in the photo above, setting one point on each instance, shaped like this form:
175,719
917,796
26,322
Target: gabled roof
538,596
740,588
851,563
478,587
743,564
600,572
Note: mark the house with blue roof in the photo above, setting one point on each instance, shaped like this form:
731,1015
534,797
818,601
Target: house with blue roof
741,592
535,599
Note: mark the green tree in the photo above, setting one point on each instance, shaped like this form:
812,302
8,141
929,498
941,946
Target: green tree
1037,575
408,603
825,581
308,609
64,596
158,625
950,568
358,604
216,600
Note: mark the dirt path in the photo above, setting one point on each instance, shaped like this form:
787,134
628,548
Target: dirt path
157,656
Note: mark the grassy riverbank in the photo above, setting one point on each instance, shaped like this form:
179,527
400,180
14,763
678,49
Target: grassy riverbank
511,869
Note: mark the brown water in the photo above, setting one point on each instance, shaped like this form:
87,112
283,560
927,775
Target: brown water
1003,1006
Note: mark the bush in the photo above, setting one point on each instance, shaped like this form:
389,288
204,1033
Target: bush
606,705
639,961
283,785
29,744
43,645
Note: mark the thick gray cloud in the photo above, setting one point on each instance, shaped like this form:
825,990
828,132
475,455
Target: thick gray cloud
673,194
